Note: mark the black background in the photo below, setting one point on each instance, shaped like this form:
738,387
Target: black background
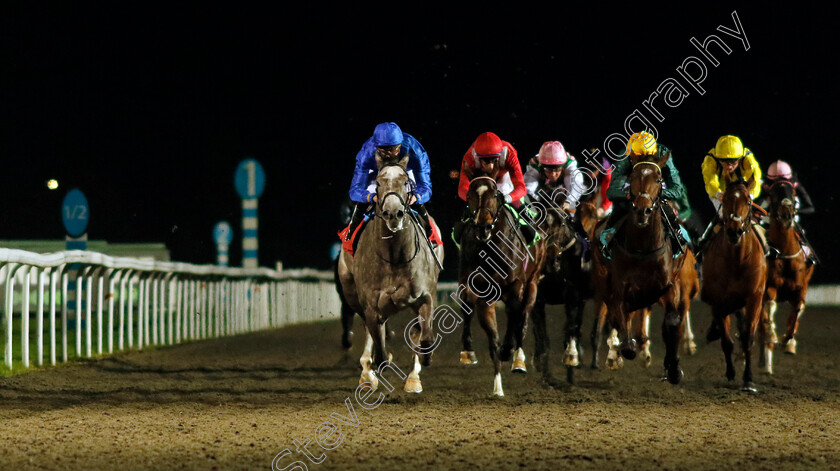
149,108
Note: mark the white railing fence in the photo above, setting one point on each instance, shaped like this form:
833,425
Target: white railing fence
99,305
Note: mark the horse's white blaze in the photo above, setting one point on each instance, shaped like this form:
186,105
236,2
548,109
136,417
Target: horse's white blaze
367,372
497,385
480,190
412,384
519,361
571,356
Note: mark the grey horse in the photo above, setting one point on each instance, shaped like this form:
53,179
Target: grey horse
392,270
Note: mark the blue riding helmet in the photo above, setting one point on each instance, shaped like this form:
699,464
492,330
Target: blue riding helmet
387,134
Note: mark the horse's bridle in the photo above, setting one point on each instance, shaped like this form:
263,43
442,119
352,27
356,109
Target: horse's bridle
744,223
646,195
497,196
403,202
406,208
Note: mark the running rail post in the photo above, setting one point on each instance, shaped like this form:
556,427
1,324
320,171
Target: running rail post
24,317
39,319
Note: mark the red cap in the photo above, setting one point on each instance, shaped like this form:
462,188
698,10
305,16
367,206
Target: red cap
488,145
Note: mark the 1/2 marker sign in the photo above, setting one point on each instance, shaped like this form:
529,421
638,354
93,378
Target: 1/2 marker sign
75,213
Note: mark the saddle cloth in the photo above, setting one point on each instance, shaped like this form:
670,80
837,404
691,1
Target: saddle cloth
351,245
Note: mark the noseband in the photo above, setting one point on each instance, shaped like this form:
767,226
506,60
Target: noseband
646,195
497,196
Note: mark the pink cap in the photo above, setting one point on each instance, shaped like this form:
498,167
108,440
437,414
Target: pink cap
552,153
779,169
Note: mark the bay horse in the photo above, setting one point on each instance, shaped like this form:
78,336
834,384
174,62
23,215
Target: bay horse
392,270
564,280
735,276
495,265
788,272
642,268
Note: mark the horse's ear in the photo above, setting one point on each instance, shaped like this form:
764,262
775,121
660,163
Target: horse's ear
379,162
403,161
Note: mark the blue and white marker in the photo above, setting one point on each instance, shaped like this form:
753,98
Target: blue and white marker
75,214
249,180
223,235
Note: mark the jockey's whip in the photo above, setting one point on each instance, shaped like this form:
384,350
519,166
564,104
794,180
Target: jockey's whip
418,226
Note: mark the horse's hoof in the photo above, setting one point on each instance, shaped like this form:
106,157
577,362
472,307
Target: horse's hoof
628,353
730,375
749,387
675,376
790,347
390,357
614,363
412,385
646,360
690,348
468,358
571,360
571,357
368,385
518,365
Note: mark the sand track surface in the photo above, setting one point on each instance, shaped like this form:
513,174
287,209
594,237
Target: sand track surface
236,403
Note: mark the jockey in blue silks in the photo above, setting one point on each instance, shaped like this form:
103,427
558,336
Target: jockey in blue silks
391,144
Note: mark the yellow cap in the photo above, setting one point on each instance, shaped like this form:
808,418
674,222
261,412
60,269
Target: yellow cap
641,143
729,147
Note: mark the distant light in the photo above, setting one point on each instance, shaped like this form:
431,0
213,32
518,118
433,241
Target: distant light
52,184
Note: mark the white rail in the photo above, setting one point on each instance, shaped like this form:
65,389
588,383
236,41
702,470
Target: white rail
125,303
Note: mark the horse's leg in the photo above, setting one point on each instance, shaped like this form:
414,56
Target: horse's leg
628,343
541,341
749,323
597,332
467,354
487,318
721,323
672,326
793,325
513,312
642,335
526,307
368,379
767,332
688,344
571,357
347,316
422,334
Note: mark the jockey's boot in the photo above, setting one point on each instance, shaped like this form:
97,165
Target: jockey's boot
678,242
356,219
460,224
806,246
584,237
528,232
619,210
703,240
424,218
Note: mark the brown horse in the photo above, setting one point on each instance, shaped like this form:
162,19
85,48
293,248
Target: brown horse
565,279
788,272
642,269
392,270
735,276
494,264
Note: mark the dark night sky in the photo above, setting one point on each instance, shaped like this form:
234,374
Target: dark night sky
149,108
